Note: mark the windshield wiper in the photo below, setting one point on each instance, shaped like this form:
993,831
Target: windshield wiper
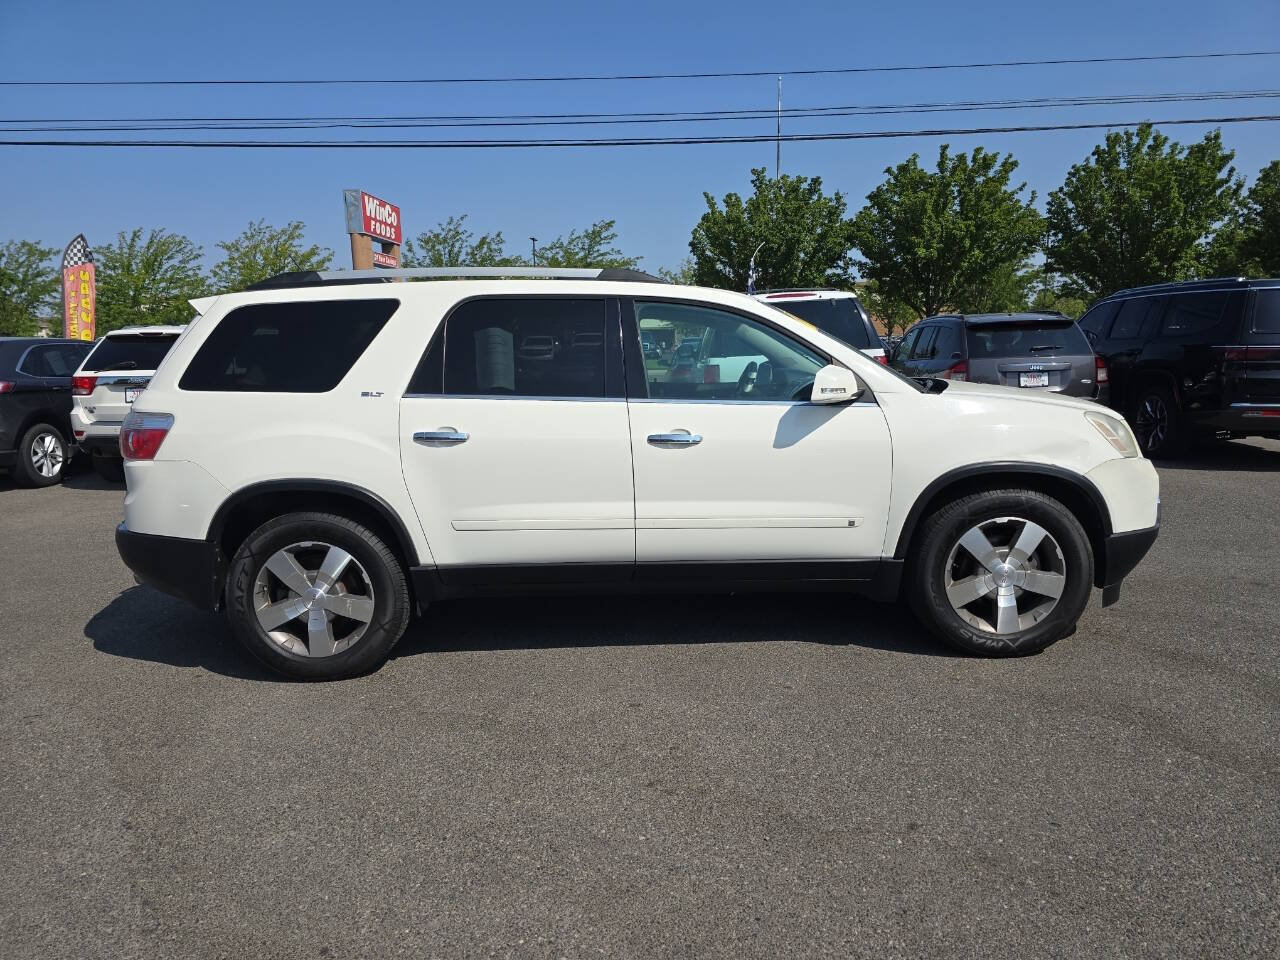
1043,346
129,365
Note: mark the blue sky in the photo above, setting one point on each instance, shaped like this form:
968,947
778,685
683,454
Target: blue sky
654,193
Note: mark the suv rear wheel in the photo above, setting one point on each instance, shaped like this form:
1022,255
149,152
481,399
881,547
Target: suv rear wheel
42,455
317,596
1002,573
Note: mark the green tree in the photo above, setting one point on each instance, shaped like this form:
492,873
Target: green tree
957,237
451,244
1249,243
1139,210
801,233
894,315
262,251
28,282
147,280
593,247
684,274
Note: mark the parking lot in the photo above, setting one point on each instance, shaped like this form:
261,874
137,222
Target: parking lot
684,776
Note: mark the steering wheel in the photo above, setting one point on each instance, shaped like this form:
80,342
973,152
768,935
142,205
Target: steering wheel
747,382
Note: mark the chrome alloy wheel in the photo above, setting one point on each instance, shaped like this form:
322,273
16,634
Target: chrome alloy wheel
1152,422
314,599
1005,575
46,453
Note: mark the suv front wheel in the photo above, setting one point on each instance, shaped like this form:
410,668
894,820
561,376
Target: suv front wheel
317,596
1158,423
1002,573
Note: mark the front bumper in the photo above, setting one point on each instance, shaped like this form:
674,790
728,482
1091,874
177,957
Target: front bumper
1122,552
191,570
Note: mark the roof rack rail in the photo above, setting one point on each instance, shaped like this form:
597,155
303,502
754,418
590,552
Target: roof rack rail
307,278
1179,285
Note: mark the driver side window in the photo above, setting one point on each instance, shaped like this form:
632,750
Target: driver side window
699,353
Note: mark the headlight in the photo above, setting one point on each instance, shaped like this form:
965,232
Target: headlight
1116,432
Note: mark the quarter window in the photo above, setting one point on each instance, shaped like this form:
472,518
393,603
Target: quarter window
1266,311
1097,321
534,347
699,353
298,347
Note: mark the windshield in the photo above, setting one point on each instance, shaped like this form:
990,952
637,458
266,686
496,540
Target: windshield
838,318
130,352
1038,338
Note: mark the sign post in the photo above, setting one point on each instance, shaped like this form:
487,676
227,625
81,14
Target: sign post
79,290
373,222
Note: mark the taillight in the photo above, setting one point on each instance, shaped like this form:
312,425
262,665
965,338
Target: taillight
6,386
142,433
711,373
959,372
882,358
83,386
1101,373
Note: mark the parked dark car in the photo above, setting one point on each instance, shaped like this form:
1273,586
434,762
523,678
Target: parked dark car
1195,359
1044,351
35,406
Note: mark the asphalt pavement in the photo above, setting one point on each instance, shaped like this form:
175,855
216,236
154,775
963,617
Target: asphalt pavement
648,777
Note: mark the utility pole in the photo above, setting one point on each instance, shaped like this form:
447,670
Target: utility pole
534,241
777,160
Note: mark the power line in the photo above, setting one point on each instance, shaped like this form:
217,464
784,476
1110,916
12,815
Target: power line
621,141
163,124
597,78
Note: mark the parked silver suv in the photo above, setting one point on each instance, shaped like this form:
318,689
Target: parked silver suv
1044,351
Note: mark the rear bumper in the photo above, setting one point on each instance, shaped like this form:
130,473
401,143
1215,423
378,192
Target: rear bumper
1123,552
191,570
8,458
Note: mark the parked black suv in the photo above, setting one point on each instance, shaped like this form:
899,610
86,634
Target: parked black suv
1200,358
35,406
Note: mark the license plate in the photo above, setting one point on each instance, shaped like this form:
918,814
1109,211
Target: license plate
131,393
1033,379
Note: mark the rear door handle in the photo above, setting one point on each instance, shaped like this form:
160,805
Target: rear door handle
431,437
680,439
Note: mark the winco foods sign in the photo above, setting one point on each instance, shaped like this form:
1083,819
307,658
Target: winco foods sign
373,217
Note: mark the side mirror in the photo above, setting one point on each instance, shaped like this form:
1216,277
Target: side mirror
835,384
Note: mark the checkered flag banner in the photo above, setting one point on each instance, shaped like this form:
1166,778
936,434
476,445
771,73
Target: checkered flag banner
77,252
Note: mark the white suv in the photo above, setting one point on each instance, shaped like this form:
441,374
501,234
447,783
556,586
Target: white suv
835,312
322,458
103,389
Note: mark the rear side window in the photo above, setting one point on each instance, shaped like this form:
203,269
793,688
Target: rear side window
535,347
1132,320
1266,312
299,347
140,351
947,343
1193,313
1027,340
54,360
923,348
839,318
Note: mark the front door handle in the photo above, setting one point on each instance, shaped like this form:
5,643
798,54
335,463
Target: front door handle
680,439
432,437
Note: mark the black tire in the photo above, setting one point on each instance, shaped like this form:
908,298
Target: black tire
934,562
110,469
1158,423
386,578
40,446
